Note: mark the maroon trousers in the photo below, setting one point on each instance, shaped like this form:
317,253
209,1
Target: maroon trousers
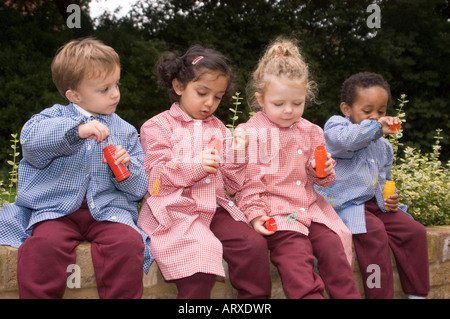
117,255
406,238
334,268
292,253
245,252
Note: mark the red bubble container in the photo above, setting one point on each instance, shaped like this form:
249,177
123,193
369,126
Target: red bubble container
120,171
395,127
320,154
215,143
271,225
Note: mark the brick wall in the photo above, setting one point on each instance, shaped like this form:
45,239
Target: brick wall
156,287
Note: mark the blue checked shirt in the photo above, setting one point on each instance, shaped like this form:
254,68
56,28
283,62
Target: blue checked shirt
59,170
363,164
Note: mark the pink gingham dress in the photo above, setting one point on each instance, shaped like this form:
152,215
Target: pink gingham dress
280,179
182,198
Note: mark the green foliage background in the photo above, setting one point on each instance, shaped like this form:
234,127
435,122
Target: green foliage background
411,50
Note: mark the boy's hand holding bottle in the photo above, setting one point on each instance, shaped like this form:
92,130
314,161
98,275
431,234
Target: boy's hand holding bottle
390,197
390,124
99,132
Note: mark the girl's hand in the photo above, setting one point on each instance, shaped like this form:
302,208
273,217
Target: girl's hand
391,202
120,157
210,160
258,225
93,129
329,164
386,122
240,139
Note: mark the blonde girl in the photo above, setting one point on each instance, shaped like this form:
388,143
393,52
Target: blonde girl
280,176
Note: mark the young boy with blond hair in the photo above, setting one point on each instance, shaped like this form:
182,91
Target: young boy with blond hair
67,193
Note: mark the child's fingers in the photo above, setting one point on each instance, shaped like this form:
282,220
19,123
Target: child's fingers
240,139
121,156
391,202
93,129
209,169
211,155
211,163
391,207
258,226
392,199
330,163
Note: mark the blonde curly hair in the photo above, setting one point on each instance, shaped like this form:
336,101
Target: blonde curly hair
282,59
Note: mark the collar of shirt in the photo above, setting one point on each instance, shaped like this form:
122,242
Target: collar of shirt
82,111
106,119
177,113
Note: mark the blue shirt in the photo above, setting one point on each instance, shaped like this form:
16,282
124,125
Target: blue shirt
363,164
59,170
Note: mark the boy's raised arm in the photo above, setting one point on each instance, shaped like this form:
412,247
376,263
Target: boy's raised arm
343,138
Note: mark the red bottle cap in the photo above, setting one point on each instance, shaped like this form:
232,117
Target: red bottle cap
271,224
395,127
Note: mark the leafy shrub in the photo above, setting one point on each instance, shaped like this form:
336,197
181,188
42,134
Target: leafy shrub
422,181
9,195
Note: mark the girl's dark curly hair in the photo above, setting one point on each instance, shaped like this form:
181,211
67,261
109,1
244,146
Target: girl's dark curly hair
362,80
189,67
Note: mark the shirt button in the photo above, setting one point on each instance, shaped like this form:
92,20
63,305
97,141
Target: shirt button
113,217
230,203
92,205
302,209
298,183
207,181
300,152
88,147
197,123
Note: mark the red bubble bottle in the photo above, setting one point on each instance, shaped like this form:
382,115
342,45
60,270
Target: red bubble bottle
215,143
395,127
120,171
320,154
271,225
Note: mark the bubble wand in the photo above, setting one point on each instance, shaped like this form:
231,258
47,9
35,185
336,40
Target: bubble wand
216,143
271,225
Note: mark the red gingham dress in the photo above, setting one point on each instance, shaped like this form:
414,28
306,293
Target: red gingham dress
182,198
280,179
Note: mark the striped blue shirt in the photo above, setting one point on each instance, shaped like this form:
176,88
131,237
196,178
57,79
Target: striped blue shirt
59,170
363,164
